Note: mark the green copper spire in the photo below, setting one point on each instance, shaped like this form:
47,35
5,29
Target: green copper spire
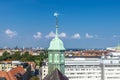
56,57
56,43
56,15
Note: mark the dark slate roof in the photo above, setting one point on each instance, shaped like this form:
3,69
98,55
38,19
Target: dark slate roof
55,75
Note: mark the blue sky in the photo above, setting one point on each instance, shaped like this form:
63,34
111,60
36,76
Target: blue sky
82,23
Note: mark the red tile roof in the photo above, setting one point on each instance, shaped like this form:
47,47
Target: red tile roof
5,75
16,70
10,75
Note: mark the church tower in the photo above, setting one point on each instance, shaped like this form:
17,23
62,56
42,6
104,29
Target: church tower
56,52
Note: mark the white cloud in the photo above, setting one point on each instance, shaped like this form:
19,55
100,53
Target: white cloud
38,35
88,35
52,34
76,36
10,33
62,34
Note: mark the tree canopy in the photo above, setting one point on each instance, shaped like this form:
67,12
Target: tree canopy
24,57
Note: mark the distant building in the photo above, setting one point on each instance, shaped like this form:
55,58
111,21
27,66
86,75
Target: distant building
33,67
15,70
117,48
111,48
111,66
44,69
1,52
83,68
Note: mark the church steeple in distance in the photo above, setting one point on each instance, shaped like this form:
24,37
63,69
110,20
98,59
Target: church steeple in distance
56,52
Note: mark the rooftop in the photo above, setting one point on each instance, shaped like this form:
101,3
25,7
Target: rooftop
55,75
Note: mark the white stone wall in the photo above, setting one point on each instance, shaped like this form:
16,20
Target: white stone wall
44,71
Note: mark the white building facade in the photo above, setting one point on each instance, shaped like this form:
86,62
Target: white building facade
80,68
44,69
111,66
92,68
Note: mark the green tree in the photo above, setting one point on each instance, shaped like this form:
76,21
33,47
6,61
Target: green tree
42,56
16,56
6,54
30,58
25,54
23,59
27,57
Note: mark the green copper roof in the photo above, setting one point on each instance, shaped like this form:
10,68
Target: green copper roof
56,43
118,47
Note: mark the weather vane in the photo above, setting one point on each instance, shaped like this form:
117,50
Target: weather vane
56,14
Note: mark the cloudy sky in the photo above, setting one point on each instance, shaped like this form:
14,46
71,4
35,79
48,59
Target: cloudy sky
82,23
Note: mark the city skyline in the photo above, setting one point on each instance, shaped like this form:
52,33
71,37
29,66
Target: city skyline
82,24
